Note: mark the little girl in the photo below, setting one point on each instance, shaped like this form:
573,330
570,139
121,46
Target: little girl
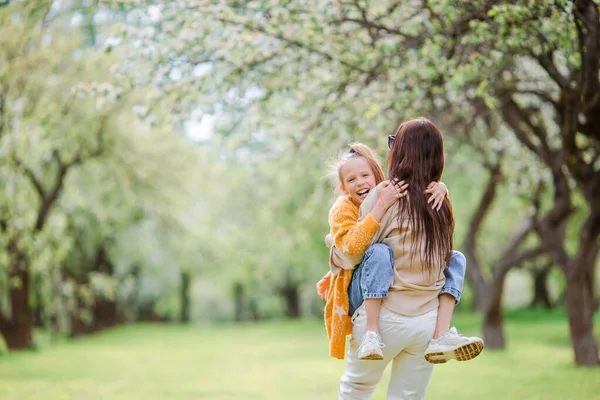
346,288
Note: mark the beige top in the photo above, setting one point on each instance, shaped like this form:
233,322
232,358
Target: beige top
414,290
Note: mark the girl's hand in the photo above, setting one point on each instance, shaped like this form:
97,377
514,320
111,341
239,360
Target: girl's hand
438,191
323,286
390,192
328,241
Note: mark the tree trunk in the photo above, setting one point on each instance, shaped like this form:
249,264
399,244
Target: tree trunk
541,296
106,314
580,294
474,269
493,328
238,298
147,313
580,308
39,313
292,300
104,311
253,310
17,329
186,280
493,319
479,289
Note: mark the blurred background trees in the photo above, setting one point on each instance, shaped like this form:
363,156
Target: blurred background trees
168,160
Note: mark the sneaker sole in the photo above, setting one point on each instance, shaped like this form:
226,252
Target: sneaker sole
463,353
372,356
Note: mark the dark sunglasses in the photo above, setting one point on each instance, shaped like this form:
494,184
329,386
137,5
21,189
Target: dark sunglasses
391,140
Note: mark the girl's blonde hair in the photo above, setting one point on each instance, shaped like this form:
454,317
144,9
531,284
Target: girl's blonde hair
355,150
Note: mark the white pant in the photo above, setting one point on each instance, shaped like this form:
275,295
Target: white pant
405,339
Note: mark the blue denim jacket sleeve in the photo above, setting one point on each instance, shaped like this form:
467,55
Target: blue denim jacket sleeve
455,275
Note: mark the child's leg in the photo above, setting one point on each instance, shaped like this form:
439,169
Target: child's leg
370,283
373,307
451,292
445,311
447,343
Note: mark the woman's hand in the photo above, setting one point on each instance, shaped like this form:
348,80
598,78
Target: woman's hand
438,191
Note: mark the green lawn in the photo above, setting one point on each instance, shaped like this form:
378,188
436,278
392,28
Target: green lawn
281,361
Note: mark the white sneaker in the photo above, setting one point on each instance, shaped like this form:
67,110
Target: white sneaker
453,345
370,347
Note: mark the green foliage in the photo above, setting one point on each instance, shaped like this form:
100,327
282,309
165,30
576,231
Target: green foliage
287,85
83,171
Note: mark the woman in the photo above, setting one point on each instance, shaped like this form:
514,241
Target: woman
421,241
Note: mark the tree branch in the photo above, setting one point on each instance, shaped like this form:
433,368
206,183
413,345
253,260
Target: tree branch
411,42
537,131
294,43
2,111
551,229
393,8
544,96
586,14
510,256
366,23
37,184
545,60
463,25
483,207
48,200
427,7
253,64
509,253
512,116
509,260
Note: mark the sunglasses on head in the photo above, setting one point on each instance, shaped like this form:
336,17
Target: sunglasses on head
391,140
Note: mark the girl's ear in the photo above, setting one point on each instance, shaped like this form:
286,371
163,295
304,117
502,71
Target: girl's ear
342,188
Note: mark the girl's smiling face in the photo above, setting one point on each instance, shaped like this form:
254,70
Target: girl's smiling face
357,179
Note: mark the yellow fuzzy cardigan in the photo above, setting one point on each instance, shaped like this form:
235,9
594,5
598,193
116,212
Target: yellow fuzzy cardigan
352,237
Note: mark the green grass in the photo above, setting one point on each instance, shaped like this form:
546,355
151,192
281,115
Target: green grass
281,360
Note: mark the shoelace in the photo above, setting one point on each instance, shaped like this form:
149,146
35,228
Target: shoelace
370,340
453,332
451,336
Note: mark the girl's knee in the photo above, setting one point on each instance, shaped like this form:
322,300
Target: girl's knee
380,260
379,250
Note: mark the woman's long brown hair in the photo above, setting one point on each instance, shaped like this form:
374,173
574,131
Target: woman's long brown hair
417,157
